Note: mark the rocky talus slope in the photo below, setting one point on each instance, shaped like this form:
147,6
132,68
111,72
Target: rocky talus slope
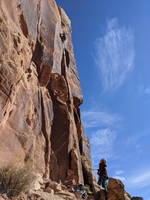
40,96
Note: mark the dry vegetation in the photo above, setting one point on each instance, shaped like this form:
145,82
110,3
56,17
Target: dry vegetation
14,181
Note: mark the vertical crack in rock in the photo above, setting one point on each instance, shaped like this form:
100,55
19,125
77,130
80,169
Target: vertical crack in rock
78,121
65,62
78,127
22,21
86,177
81,146
47,139
59,137
37,56
42,56
64,65
23,25
39,19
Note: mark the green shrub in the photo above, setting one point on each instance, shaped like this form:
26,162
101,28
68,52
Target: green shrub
15,181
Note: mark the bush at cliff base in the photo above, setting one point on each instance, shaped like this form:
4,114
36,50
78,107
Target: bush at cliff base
14,181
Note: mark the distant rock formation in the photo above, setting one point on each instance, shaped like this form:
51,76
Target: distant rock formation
40,98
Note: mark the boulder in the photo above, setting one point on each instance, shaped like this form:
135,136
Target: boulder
116,190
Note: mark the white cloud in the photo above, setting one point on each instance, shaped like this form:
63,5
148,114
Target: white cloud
115,54
93,119
102,142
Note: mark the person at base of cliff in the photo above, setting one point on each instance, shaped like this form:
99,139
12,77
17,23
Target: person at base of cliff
103,176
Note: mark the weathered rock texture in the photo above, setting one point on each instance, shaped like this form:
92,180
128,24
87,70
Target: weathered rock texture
116,191
40,95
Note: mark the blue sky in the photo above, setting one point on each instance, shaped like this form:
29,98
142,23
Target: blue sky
112,45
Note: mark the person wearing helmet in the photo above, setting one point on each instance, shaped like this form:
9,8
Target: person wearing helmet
102,172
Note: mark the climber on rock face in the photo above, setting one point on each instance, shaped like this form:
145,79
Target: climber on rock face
102,172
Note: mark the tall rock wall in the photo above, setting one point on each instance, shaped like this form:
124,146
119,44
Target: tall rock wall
40,95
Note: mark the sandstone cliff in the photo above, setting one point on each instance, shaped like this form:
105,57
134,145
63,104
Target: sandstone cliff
40,93
40,96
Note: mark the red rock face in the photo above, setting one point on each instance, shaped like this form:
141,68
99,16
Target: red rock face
40,93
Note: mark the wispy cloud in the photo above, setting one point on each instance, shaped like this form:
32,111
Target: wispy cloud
120,175
122,178
102,142
142,179
119,172
115,54
103,129
139,180
93,119
136,141
135,138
